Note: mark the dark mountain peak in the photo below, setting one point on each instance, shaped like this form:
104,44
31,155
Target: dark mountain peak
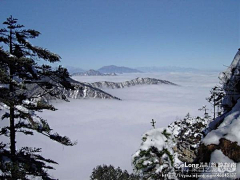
93,72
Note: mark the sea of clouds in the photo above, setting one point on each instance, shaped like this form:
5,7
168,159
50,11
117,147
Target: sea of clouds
109,131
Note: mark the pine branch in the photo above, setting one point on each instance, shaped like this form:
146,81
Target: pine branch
43,53
4,131
62,139
4,40
30,33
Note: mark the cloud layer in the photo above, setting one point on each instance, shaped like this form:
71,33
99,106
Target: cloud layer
109,131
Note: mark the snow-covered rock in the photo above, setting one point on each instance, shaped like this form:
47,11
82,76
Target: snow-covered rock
231,83
188,134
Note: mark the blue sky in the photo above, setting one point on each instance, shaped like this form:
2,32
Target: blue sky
93,33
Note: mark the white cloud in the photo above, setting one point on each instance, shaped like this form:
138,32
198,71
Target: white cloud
109,131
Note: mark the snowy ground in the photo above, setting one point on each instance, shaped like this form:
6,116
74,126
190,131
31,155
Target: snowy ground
109,131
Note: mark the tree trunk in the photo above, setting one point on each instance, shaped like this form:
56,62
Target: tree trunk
12,131
214,107
12,126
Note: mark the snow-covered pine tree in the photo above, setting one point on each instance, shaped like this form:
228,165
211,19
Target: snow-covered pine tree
216,97
19,72
163,150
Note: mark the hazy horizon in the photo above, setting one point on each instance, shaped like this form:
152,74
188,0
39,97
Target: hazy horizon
154,67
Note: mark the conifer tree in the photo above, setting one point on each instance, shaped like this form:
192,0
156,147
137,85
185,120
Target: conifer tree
20,76
216,97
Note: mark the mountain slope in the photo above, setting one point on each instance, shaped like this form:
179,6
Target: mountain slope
80,91
83,90
117,69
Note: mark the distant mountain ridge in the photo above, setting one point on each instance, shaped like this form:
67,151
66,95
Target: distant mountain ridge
93,72
117,69
134,82
84,90
112,70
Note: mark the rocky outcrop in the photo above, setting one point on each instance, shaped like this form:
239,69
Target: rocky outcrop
134,82
223,133
228,148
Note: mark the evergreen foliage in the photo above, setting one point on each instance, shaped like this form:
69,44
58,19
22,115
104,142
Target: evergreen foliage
216,97
110,173
19,73
148,162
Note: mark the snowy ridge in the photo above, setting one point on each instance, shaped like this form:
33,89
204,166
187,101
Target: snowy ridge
80,91
134,82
